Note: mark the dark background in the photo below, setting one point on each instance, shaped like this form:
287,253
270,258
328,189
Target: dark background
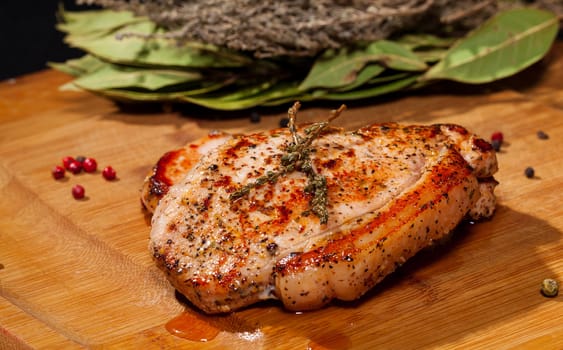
28,37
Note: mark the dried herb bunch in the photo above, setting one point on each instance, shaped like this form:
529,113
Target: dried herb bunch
301,28
316,50
297,158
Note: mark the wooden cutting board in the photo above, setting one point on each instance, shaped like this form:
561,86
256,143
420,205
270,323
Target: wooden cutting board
77,274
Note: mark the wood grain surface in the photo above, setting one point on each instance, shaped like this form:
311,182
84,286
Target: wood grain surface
78,274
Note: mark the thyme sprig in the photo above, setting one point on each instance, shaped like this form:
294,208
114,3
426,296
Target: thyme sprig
297,158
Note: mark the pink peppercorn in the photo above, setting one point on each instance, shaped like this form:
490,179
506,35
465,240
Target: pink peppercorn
497,136
58,172
75,167
78,192
89,165
109,173
66,161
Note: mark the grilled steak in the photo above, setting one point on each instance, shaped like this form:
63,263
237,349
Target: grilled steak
392,190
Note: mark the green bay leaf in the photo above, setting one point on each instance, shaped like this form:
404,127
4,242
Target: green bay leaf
174,94
95,21
225,101
337,69
128,46
431,55
388,77
155,96
130,96
369,72
507,43
79,66
395,56
303,97
370,91
66,68
112,77
416,41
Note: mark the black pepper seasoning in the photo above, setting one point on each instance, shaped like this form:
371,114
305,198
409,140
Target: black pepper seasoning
542,135
272,248
255,117
529,172
284,122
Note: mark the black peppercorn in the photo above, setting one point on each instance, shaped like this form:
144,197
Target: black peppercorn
542,135
255,117
529,172
284,122
272,248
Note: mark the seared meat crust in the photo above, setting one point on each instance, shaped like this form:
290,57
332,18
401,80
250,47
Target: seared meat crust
392,190
174,165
